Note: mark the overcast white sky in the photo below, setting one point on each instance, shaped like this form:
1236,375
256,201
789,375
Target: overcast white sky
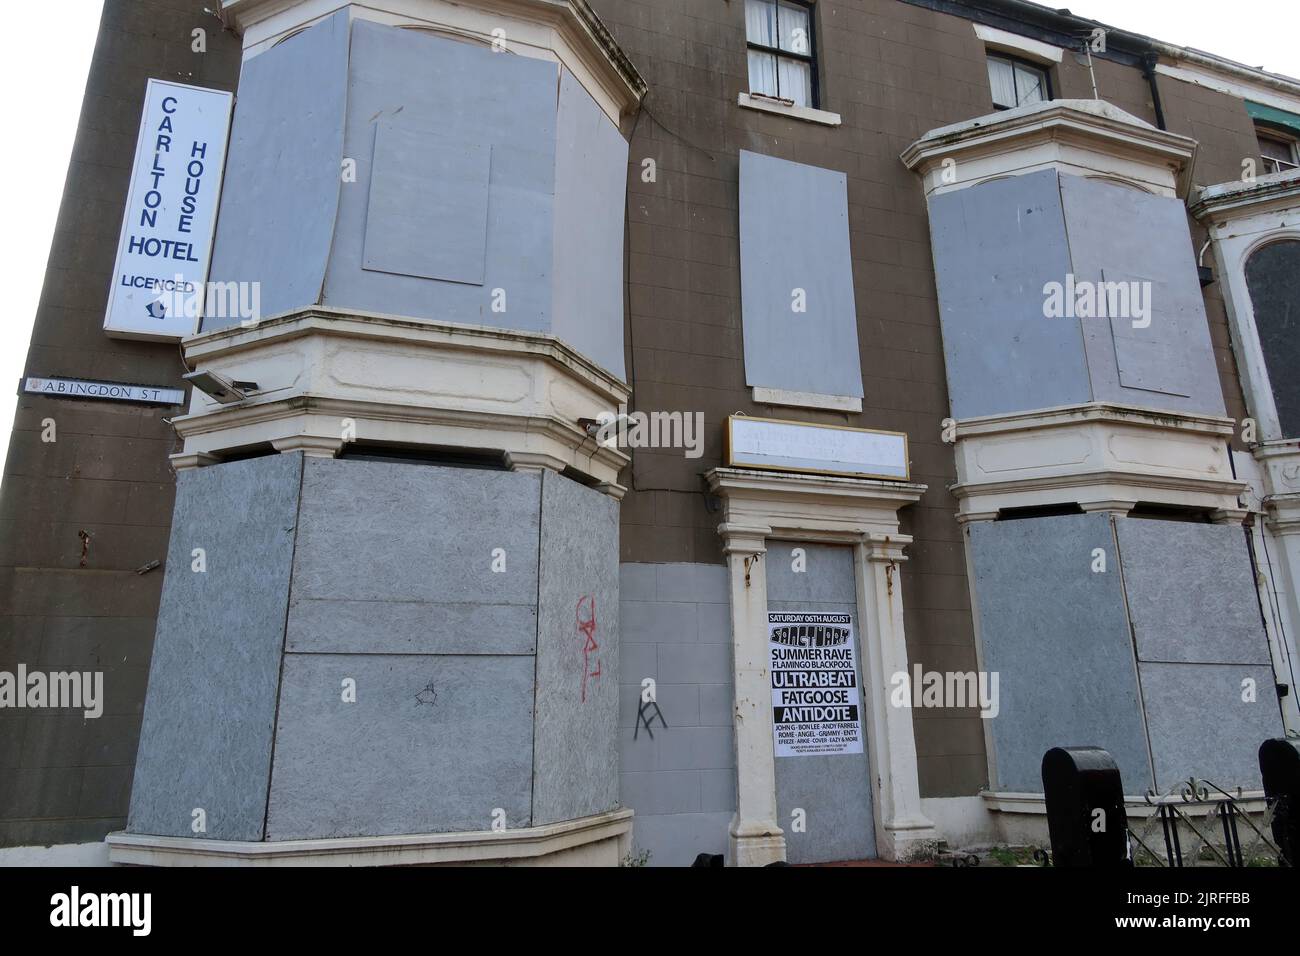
44,56
1256,32
44,59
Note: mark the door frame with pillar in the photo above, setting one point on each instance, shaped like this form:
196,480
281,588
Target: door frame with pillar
759,506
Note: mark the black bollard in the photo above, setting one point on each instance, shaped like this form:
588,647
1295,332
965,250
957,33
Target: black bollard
1085,808
1279,764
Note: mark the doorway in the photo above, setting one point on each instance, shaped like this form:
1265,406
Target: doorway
823,768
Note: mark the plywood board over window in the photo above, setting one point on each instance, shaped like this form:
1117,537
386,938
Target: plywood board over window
1157,351
428,208
796,276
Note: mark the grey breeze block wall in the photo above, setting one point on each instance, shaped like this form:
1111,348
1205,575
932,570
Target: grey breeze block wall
996,246
680,780
520,170
392,589
1073,673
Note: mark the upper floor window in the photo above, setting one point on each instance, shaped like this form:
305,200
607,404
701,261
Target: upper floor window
1016,82
1273,279
782,56
1278,151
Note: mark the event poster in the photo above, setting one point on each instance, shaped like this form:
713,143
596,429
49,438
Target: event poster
816,705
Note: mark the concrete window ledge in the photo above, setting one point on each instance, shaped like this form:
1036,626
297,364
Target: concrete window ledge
804,113
599,840
781,396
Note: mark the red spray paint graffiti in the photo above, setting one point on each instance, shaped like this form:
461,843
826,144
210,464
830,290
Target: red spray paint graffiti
585,616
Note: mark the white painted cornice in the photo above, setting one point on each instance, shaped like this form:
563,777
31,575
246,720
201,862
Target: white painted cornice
350,323
1225,203
1094,412
1280,461
401,383
1099,456
1082,137
570,31
813,507
1258,86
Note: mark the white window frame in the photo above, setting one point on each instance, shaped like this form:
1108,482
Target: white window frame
1019,61
809,58
1272,165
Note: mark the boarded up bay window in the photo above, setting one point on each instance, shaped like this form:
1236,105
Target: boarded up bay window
796,276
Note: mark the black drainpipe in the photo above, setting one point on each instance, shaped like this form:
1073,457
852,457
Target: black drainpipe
1149,61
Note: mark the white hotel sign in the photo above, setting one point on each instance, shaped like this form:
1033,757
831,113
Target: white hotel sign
820,449
171,212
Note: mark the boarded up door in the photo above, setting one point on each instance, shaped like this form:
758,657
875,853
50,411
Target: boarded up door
833,790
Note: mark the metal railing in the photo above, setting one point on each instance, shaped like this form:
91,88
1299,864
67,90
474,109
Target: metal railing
1216,820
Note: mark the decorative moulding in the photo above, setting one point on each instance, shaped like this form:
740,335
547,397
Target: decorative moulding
1100,456
813,507
1225,203
328,377
1079,137
567,31
1280,461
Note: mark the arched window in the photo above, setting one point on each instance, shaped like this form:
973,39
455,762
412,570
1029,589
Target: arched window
1273,278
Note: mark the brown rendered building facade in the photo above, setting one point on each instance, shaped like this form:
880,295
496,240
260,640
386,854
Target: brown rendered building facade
83,517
